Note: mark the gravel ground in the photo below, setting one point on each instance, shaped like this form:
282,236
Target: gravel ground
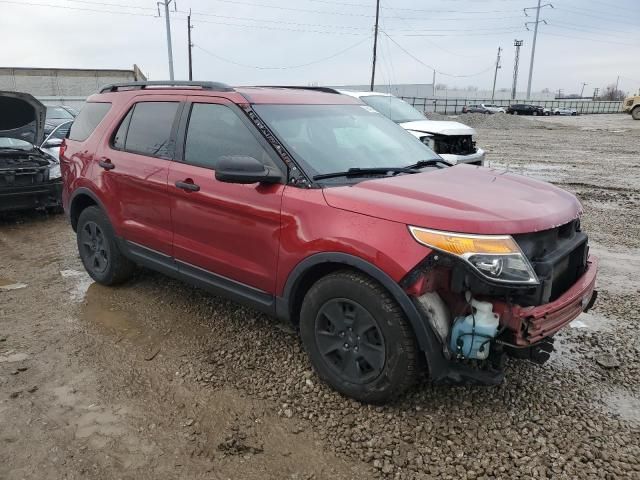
155,379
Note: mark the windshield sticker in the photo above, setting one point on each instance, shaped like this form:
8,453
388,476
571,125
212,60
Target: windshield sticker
369,109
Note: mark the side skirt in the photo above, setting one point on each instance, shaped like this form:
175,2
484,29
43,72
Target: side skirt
209,281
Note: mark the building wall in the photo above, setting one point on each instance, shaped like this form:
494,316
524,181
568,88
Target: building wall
62,86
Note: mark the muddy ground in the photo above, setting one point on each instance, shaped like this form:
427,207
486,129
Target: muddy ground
155,379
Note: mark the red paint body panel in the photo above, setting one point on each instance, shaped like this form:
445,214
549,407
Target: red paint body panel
464,199
311,226
545,320
230,229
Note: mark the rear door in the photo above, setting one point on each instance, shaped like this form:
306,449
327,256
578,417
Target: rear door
133,165
222,231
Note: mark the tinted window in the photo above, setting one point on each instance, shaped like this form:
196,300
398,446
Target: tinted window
121,134
58,113
150,129
216,131
87,120
61,131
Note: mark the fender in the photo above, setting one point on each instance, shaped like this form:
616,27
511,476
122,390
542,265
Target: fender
426,338
84,191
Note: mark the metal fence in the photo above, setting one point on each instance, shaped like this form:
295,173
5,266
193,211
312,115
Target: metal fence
454,105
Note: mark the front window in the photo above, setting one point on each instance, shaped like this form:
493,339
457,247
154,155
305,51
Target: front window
392,107
333,138
58,113
15,144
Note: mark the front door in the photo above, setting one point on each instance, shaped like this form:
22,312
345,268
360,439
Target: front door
230,231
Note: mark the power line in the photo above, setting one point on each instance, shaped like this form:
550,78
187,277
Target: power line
287,67
93,10
431,66
591,39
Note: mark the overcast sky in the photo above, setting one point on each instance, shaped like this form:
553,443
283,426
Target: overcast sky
330,42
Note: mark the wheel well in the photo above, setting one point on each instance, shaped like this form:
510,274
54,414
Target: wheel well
80,202
311,276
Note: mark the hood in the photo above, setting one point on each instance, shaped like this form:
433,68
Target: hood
22,117
463,198
438,127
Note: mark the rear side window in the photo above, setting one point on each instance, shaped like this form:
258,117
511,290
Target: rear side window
149,129
87,120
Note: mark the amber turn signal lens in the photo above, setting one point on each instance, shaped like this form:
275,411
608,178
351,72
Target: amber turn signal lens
461,244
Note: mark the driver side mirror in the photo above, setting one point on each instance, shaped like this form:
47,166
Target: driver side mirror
246,170
52,143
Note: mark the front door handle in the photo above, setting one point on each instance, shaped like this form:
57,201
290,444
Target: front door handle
106,164
188,185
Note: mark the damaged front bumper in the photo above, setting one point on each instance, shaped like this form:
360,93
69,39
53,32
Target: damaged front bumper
530,325
43,195
476,158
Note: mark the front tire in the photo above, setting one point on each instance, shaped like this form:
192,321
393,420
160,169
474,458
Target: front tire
358,338
98,249
635,113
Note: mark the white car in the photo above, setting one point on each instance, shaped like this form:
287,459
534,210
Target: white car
453,141
494,108
565,111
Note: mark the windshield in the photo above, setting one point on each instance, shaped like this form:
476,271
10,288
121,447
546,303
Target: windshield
58,113
334,138
392,107
15,143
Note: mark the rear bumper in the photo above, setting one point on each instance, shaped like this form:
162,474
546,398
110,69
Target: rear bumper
474,158
530,325
31,197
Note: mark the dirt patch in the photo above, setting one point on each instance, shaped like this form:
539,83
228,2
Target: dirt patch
155,379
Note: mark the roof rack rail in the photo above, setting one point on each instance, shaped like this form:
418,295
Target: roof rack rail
217,86
300,87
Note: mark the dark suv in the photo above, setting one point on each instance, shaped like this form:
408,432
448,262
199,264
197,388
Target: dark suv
312,207
524,109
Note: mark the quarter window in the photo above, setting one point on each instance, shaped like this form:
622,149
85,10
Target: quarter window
149,131
216,131
87,120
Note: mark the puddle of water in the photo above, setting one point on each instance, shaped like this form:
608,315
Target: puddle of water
13,358
592,321
619,270
82,282
7,284
622,404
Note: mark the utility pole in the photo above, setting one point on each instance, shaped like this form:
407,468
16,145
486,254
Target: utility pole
495,75
166,4
516,62
617,83
584,84
189,27
433,85
375,45
595,92
535,37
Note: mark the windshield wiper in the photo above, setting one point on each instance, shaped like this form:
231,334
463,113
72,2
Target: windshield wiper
359,172
429,163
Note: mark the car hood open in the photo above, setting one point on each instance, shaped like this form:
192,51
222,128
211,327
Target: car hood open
438,127
22,117
463,198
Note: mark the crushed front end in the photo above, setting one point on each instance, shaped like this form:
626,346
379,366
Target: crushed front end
26,181
486,297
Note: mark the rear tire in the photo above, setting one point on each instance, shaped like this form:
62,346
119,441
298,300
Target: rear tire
515,112
535,114
99,250
358,338
635,113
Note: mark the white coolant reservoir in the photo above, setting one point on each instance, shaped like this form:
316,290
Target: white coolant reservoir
471,335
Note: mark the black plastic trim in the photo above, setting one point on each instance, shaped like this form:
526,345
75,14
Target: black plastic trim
214,86
212,282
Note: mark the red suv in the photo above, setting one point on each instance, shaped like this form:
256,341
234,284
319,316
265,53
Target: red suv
312,207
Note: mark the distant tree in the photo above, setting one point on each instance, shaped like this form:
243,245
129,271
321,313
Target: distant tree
610,93
441,86
546,90
472,88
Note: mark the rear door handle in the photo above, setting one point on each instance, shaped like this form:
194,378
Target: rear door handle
188,185
106,164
